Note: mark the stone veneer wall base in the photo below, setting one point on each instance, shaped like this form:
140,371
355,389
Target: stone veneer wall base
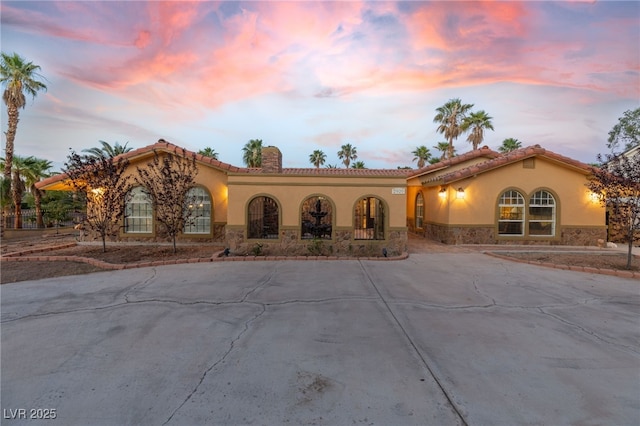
571,236
342,245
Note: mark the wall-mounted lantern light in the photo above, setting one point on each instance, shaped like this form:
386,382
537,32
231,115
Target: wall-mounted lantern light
442,193
594,197
460,193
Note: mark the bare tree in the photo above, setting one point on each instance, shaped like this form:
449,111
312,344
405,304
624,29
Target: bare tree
167,181
617,183
103,182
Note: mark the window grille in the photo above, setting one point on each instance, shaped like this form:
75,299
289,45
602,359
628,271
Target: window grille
511,213
315,218
419,210
542,214
197,212
138,217
263,218
369,219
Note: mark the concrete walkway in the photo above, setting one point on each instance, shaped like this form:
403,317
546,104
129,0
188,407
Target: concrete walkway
437,339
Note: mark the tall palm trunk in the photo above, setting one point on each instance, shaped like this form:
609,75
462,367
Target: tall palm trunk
37,199
12,112
16,192
453,124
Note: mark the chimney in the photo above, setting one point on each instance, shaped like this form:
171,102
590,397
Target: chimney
271,160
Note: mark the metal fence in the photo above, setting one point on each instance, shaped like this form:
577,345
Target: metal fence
51,219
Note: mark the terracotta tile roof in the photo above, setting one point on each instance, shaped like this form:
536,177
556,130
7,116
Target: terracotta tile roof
485,151
165,146
509,158
161,145
346,172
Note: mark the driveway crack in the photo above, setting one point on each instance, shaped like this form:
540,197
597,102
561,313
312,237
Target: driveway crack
222,358
448,397
589,332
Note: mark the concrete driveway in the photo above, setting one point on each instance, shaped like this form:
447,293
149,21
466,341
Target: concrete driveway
438,339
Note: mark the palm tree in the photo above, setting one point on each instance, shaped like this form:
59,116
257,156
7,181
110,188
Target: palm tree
108,151
19,77
347,153
477,122
33,175
509,144
331,166
252,153
443,147
422,154
450,117
19,166
209,152
317,158
358,165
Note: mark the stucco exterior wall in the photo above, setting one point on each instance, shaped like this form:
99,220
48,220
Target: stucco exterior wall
214,180
575,207
473,219
291,191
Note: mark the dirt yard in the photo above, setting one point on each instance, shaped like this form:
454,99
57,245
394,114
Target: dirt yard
600,261
117,254
126,254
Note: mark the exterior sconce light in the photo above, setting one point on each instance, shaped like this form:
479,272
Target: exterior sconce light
460,193
442,193
594,197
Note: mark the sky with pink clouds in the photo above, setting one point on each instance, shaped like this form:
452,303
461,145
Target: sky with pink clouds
307,75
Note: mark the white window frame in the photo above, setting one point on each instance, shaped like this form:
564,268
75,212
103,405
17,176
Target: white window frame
199,209
542,199
138,202
419,210
512,195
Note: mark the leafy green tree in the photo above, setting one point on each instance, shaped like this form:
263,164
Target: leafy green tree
209,152
476,123
106,150
252,153
626,131
449,118
19,77
59,204
347,153
509,144
167,181
358,165
102,181
317,158
422,154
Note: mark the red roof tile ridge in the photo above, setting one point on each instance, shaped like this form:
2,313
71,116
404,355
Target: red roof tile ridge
508,158
485,151
344,171
178,150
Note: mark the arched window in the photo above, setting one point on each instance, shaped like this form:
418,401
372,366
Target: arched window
369,219
419,210
198,211
263,218
138,212
315,217
542,214
511,213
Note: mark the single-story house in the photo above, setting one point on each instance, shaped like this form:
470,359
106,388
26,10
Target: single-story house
529,196
276,210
